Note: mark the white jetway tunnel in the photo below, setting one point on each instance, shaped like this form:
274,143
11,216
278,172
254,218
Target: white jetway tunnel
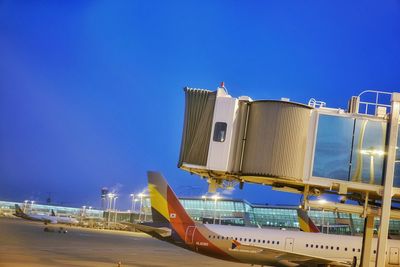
282,143
239,136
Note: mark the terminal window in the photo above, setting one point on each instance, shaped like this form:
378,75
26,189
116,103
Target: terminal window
219,132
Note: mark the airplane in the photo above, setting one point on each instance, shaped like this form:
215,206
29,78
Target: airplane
250,245
63,219
53,219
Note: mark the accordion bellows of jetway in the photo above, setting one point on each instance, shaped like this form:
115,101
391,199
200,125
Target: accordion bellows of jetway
197,129
216,126
276,139
240,138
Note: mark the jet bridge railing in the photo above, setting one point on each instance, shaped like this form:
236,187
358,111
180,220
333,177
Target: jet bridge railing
379,101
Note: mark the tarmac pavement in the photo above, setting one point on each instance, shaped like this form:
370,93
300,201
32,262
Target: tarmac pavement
24,243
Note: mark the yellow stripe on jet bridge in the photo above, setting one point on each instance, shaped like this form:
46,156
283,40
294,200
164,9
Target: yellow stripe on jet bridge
158,201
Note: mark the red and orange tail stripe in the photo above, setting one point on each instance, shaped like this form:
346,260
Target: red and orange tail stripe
305,222
166,207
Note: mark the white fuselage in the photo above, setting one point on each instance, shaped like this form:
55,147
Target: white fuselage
51,219
336,247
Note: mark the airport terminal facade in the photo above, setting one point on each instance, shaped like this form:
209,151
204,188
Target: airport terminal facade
224,211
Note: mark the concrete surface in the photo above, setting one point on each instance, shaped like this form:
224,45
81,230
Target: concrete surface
24,243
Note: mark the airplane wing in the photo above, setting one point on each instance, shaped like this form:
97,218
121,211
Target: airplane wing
287,256
162,231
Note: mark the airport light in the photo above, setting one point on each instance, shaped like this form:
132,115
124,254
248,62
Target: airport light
132,202
111,197
372,152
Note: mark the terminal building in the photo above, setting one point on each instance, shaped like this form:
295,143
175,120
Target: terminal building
224,211
7,208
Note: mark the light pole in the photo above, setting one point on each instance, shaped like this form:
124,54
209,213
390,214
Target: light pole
133,201
204,197
32,201
115,210
215,197
372,152
322,201
141,195
83,211
145,207
110,197
25,204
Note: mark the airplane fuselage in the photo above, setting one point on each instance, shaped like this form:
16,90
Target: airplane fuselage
216,241
252,245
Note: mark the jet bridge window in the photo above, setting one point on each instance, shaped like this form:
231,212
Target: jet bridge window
219,132
350,149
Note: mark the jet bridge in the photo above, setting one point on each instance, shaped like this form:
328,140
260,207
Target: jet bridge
301,148
285,144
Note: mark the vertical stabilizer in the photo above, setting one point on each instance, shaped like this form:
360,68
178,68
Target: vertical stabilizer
165,206
305,222
18,210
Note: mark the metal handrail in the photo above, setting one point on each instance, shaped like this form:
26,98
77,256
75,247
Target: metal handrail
316,103
375,104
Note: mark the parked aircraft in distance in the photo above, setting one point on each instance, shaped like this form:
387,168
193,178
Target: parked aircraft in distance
44,218
251,245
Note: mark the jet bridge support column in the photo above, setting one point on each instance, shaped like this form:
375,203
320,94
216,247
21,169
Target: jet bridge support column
367,240
389,177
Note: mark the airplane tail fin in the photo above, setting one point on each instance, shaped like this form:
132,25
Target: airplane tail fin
53,213
18,210
165,206
305,222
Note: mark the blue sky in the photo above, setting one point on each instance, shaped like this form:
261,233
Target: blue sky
91,91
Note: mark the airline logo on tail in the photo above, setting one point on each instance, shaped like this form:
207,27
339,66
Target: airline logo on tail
235,244
165,206
305,222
